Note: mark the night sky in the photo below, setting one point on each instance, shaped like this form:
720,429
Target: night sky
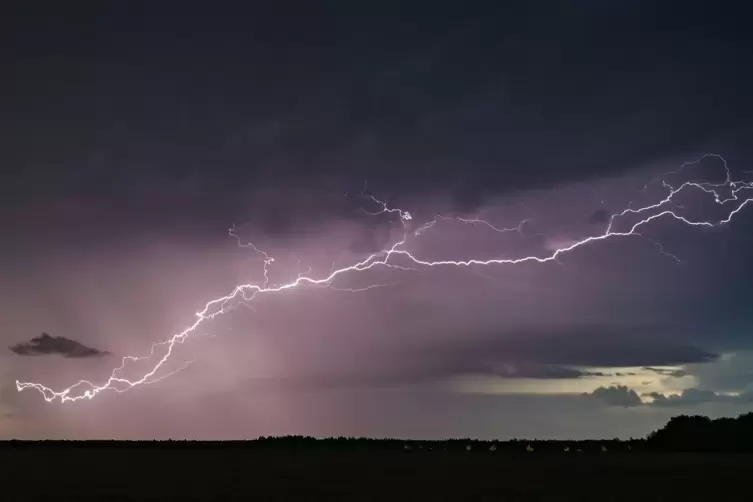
135,134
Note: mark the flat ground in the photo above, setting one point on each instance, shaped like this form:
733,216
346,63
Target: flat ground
186,473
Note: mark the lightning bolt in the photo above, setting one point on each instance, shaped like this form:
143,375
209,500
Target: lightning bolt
245,293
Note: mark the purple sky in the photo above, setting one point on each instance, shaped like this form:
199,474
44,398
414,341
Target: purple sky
135,135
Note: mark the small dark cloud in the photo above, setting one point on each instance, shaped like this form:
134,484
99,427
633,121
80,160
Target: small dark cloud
617,395
667,372
46,345
543,371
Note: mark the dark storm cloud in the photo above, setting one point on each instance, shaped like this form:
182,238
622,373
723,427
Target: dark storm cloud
499,366
391,376
622,396
543,353
687,397
617,395
588,345
228,102
47,345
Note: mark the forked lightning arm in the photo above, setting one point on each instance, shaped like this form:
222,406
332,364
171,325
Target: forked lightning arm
247,292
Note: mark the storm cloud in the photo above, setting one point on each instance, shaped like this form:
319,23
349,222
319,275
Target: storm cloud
623,396
580,345
617,395
546,353
395,377
46,344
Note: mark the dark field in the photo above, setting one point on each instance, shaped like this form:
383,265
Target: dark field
219,473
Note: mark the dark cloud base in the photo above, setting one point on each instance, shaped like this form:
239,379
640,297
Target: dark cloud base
622,396
575,345
617,395
374,379
45,344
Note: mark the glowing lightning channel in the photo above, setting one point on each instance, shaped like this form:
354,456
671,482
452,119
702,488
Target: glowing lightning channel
247,292
470,221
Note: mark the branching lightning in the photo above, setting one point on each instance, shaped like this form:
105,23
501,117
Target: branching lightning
245,293
477,221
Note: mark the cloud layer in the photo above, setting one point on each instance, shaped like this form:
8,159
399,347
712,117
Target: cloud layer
123,171
623,396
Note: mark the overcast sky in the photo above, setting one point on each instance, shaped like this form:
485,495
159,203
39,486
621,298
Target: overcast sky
135,135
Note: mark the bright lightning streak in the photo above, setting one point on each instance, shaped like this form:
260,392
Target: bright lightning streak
247,292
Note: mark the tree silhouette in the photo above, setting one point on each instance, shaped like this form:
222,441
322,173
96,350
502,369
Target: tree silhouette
702,434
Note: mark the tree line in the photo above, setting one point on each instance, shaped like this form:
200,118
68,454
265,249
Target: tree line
682,433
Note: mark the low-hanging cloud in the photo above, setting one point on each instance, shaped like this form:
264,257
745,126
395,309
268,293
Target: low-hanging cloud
623,396
46,344
581,345
617,395
694,396
545,353
375,378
